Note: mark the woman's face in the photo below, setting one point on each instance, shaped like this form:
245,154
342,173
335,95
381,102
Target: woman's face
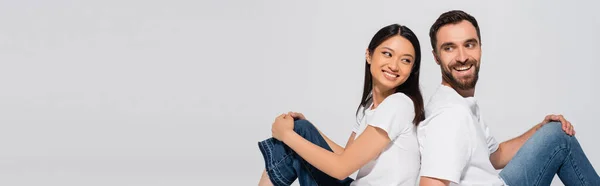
391,62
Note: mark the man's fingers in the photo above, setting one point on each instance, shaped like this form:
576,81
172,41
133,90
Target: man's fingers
572,128
547,119
566,124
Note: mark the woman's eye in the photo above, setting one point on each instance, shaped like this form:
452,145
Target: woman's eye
387,54
406,60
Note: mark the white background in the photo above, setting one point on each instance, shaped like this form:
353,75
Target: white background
134,92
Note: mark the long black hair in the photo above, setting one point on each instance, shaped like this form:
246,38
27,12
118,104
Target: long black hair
411,86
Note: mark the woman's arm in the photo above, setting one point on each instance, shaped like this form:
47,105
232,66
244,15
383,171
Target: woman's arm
392,115
334,146
351,139
362,150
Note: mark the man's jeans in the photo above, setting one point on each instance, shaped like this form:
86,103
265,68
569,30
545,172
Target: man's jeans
548,152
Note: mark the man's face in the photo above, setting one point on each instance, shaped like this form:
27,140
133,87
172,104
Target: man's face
458,54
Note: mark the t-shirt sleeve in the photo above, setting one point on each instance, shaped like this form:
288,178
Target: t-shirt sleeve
393,115
491,141
445,146
359,117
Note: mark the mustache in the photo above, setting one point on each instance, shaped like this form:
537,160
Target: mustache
469,61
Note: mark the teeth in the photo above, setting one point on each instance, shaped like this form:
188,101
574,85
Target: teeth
461,68
390,75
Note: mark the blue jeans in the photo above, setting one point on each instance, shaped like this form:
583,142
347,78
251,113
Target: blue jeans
283,165
548,152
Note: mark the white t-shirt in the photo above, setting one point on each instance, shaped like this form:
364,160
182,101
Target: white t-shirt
454,141
399,163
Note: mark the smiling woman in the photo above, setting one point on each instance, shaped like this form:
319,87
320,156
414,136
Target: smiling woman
382,146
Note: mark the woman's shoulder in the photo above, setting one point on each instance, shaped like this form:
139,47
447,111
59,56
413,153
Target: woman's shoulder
398,99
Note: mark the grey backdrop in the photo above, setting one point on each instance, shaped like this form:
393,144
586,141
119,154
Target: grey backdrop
134,92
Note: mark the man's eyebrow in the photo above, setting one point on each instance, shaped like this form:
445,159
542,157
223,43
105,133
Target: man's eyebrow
472,40
447,44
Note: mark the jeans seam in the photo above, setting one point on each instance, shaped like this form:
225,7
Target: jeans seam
556,151
268,153
576,169
279,175
306,167
273,167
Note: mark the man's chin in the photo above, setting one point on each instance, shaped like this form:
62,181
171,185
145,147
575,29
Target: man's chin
466,84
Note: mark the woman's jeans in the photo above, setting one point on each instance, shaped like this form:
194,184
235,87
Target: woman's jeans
283,165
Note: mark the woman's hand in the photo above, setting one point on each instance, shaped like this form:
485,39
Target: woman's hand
297,115
283,125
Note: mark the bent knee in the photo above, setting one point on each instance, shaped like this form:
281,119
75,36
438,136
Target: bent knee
552,130
302,125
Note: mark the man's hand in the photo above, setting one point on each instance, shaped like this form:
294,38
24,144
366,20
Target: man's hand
283,124
566,125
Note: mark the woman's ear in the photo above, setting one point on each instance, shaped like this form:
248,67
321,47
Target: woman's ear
368,56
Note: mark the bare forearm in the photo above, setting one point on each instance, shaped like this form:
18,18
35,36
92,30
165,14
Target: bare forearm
334,146
507,150
324,160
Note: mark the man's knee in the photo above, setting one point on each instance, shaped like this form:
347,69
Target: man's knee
552,131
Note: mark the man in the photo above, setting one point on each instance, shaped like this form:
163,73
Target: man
456,145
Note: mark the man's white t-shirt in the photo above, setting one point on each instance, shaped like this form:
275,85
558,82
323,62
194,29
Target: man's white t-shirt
454,141
399,162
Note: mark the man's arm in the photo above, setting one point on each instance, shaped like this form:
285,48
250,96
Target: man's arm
507,150
446,146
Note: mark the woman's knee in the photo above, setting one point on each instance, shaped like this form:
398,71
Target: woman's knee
304,126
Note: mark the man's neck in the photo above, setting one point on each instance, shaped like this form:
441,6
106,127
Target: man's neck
464,93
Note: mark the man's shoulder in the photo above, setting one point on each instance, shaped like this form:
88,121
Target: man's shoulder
443,102
449,113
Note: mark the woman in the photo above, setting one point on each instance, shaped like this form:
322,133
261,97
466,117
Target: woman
382,146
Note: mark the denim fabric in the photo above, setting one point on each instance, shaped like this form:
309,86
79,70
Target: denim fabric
283,165
548,152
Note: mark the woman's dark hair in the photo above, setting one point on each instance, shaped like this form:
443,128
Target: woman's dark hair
411,86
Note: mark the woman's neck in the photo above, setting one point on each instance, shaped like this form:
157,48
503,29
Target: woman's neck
379,95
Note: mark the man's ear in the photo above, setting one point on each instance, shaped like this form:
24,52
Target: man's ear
368,56
435,56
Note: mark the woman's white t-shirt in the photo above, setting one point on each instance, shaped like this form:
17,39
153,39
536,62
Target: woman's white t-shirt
399,162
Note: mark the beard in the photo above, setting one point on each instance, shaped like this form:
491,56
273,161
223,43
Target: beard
465,82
